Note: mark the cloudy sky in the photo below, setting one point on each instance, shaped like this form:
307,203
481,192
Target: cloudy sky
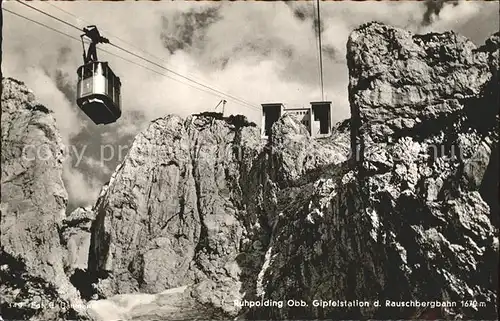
256,51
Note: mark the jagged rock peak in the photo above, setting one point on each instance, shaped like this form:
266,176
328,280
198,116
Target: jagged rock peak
398,80
424,131
160,190
33,206
189,198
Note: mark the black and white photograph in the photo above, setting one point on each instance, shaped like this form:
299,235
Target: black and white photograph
249,160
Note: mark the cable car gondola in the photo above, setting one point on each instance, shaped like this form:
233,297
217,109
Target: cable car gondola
98,89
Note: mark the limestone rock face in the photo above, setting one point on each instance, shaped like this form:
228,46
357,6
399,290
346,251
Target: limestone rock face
398,79
410,218
447,107
34,285
397,205
167,217
295,155
75,233
193,204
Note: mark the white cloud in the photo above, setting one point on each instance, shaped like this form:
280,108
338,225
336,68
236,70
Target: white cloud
97,165
452,16
48,95
82,188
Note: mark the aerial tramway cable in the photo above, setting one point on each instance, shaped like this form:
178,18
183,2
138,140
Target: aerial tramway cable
182,76
49,15
233,98
114,36
106,51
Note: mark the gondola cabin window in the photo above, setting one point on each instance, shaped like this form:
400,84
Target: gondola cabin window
86,80
97,69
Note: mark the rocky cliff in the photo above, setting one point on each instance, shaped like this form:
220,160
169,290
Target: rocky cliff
408,212
399,204
413,217
194,203
33,281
